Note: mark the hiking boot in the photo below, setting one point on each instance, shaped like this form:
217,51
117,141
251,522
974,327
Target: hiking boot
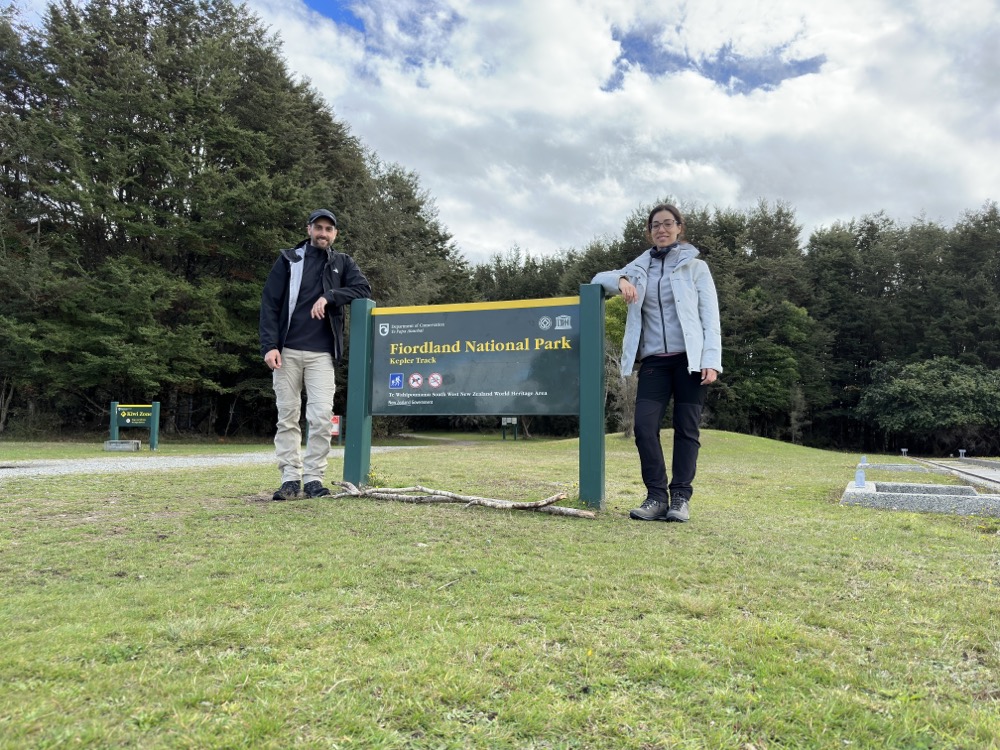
679,510
287,491
651,509
315,488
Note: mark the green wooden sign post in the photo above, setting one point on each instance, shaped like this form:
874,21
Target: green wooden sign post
592,394
358,447
498,358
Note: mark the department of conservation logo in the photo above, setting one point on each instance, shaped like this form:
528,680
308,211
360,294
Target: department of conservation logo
383,329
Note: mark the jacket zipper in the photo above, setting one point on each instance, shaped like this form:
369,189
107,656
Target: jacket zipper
659,302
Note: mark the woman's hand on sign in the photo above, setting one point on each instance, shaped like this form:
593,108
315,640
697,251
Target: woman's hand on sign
629,293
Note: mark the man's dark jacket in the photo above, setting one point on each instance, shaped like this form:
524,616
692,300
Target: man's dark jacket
342,283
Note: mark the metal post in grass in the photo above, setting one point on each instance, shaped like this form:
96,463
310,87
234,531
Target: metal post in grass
592,395
357,452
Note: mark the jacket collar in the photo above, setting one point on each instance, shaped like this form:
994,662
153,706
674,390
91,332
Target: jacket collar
297,253
685,250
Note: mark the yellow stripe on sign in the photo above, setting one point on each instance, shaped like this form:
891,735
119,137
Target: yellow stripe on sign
135,406
468,306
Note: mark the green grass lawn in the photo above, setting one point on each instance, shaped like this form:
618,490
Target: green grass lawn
181,610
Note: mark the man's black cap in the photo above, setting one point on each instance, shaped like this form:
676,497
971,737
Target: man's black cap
321,213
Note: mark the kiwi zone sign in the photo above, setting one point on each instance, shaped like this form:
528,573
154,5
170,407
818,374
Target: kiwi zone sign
527,357
146,416
505,358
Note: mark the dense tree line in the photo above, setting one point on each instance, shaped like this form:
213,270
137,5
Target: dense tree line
155,155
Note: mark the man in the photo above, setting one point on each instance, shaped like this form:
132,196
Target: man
301,336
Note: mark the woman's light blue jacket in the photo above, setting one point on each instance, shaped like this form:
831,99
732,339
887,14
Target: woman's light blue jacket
697,308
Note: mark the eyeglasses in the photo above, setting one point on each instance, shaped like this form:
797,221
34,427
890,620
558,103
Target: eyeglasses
665,224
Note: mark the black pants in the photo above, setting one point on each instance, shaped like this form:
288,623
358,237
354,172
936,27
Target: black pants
661,378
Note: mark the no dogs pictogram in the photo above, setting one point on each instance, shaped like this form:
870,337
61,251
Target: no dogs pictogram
416,380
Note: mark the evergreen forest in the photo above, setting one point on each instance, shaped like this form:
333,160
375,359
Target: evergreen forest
155,156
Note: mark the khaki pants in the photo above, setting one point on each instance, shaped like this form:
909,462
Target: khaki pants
314,372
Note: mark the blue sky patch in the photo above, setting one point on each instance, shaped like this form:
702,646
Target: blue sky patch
736,73
337,11
418,36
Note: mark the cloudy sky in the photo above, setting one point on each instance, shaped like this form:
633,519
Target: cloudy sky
544,123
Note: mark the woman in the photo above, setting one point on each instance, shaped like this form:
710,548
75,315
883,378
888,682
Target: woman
672,329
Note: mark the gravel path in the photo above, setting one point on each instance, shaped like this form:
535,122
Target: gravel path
144,462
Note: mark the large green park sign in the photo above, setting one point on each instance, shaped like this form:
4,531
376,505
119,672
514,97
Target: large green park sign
505,358
529,357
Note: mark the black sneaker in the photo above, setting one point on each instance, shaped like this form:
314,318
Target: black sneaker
679,510
651,509
315,488
287,491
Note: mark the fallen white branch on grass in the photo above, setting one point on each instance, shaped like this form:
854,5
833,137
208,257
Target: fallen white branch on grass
418,494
